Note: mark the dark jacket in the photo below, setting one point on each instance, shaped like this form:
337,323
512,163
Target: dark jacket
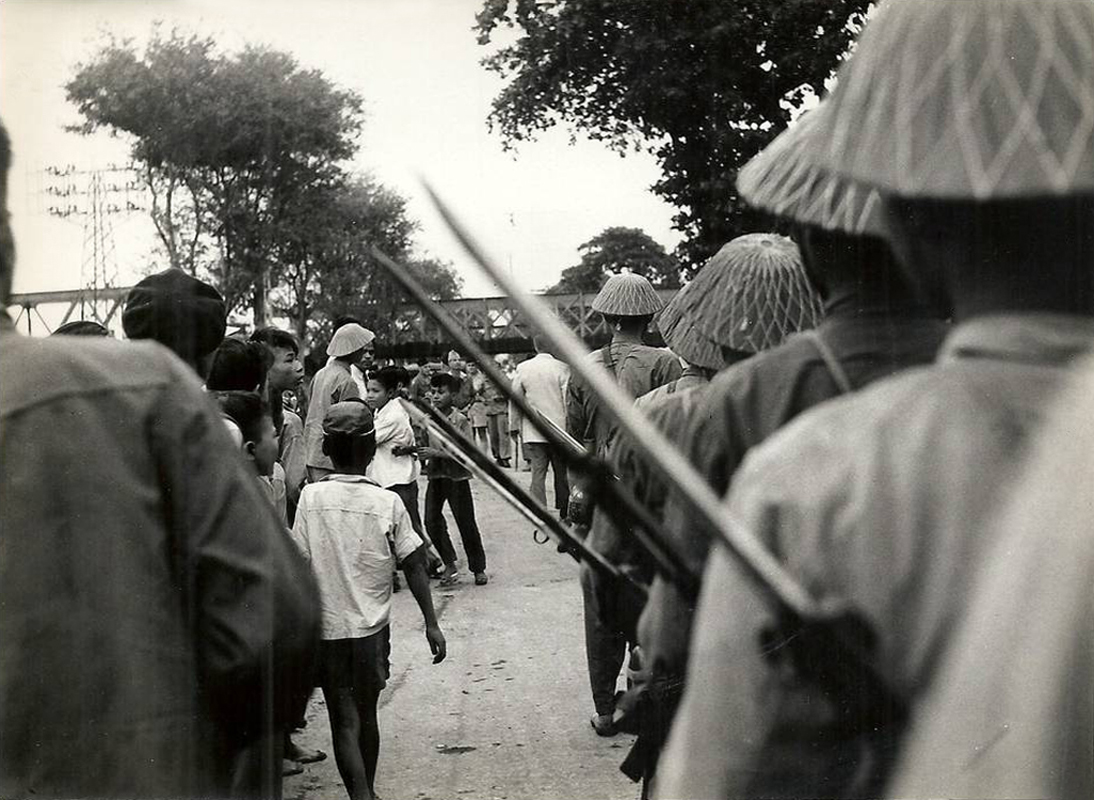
154,615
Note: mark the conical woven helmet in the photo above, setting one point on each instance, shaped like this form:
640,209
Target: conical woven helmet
627,295
967,99
749,296
785,180
678,329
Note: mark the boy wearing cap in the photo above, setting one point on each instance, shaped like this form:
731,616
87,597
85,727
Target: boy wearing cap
351,345
353,533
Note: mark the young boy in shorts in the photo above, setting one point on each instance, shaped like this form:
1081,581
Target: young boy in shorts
353,533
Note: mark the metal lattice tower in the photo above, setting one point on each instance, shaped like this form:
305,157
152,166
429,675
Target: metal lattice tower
94,196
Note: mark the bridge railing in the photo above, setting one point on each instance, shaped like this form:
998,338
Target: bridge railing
494,321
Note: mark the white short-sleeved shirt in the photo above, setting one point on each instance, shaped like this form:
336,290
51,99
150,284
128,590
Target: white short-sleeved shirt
353,533
393,430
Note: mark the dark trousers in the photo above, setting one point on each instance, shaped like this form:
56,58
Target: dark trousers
543,455
462,505
605,643
409,494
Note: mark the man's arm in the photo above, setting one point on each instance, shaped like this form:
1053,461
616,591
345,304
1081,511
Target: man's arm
292,459
414,568
413,559
251,600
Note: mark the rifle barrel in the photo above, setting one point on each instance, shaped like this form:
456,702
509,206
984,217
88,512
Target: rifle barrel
527,506
769,574
647,530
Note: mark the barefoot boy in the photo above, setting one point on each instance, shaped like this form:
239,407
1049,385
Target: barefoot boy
354,533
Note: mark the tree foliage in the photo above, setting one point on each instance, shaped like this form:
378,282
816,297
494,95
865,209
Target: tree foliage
227,143
244,157
702,84
327,266
615,249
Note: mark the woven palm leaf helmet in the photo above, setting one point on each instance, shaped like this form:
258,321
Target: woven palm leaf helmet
967,99
678,329
785,180
749,296
627,295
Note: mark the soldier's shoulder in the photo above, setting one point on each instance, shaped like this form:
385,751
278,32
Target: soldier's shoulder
65,366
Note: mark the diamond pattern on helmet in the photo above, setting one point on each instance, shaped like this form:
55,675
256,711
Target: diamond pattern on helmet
967,99
750,296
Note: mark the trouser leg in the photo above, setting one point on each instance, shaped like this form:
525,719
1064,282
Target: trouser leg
502,421
562,483
494,434
462,504
408,492
605,648
537,454
436,491
256,771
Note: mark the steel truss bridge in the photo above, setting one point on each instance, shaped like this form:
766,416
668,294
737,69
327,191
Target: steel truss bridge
494,322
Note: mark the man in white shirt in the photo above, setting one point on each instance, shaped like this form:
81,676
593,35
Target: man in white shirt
542,380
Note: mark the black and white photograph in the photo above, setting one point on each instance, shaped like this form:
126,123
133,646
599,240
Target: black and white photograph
546,399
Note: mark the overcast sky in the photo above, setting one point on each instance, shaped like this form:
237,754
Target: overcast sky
415,62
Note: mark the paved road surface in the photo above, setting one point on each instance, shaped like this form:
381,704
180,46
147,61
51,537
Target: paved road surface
507,714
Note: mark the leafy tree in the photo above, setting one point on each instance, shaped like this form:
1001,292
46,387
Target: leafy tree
614,249
702,84
325,263
227,145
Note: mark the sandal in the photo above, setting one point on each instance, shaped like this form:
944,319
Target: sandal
481,579
449,580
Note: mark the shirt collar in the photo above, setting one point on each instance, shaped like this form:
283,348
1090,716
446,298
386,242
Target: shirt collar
1032,338
342,477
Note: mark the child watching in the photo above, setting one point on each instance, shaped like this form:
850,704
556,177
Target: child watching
353,533
395,466
253,422
285,374
251,415
449,481
238,366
